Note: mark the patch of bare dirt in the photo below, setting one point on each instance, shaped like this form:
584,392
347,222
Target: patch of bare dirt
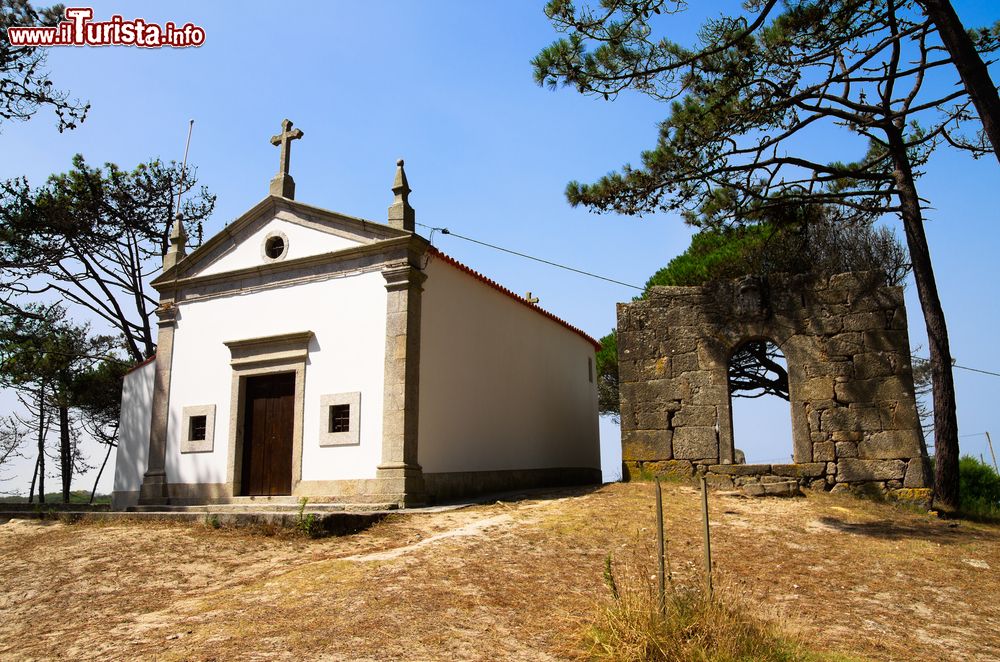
504,581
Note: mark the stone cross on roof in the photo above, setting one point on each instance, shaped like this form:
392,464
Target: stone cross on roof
283,184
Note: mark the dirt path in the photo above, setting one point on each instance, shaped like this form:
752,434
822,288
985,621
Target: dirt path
504,581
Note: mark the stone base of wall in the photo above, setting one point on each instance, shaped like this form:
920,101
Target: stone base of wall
893,480
453,485
440,487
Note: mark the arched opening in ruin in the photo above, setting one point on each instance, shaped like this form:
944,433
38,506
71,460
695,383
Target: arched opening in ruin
759,404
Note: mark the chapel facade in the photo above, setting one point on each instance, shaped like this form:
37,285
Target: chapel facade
307,353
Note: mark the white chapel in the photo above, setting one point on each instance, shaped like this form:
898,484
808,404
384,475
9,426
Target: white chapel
306,353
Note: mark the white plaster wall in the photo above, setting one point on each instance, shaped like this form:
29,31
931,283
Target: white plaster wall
302,242
501,386
347,316
133,429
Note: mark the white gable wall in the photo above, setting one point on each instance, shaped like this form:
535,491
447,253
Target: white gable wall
347,316
302,242
133,434
501,386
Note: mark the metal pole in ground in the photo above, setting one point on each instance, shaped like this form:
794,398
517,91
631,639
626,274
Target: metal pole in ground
990,442
708,537
660,549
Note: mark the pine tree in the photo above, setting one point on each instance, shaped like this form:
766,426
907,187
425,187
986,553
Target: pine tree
750,102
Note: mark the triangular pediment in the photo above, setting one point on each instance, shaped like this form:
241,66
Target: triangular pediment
303,230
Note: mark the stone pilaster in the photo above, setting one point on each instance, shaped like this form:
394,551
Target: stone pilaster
399,475
154,481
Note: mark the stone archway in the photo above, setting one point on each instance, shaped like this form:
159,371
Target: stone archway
854,419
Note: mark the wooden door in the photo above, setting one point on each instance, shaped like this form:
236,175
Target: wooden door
267,435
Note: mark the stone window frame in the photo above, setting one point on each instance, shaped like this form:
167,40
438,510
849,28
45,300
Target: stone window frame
353,435
265,356
267,238
206,445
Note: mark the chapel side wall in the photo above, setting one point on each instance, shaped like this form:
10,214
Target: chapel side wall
854,419
502,388
133,435
345,355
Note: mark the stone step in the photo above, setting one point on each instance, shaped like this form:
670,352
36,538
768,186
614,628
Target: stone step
784,488
333,523
314,508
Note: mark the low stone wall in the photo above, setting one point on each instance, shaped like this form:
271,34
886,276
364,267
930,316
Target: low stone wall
820,476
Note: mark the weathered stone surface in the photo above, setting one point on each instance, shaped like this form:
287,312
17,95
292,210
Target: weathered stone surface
695,443
918,473
682,363
803,470
642,445
668,469
846,449
858,390
695,415
850,379
817,388
850,418
823,451
653,420
719,482
740,469
785,488
899,416
844,344
919,497
858,471
873,365
863,321
890,445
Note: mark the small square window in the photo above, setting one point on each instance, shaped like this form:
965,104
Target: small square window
198,426
340,418
197,429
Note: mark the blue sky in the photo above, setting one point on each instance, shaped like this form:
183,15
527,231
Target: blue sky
448,86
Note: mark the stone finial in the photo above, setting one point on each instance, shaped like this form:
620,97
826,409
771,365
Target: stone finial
401,214
283,185
178,241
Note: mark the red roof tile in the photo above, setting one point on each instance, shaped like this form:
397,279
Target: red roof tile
516,297
141,364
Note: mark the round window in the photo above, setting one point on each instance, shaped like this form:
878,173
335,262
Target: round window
274,247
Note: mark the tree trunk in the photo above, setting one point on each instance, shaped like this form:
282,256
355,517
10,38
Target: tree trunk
103,464
41,443
65,452
971,68
34,477
945,419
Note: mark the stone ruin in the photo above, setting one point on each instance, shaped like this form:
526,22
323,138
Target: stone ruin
854,418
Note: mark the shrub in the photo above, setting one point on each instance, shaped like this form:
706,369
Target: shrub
979,487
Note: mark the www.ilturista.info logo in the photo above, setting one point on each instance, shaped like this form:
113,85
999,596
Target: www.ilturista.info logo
79,30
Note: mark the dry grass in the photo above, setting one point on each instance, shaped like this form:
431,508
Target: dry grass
510,581
690,627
